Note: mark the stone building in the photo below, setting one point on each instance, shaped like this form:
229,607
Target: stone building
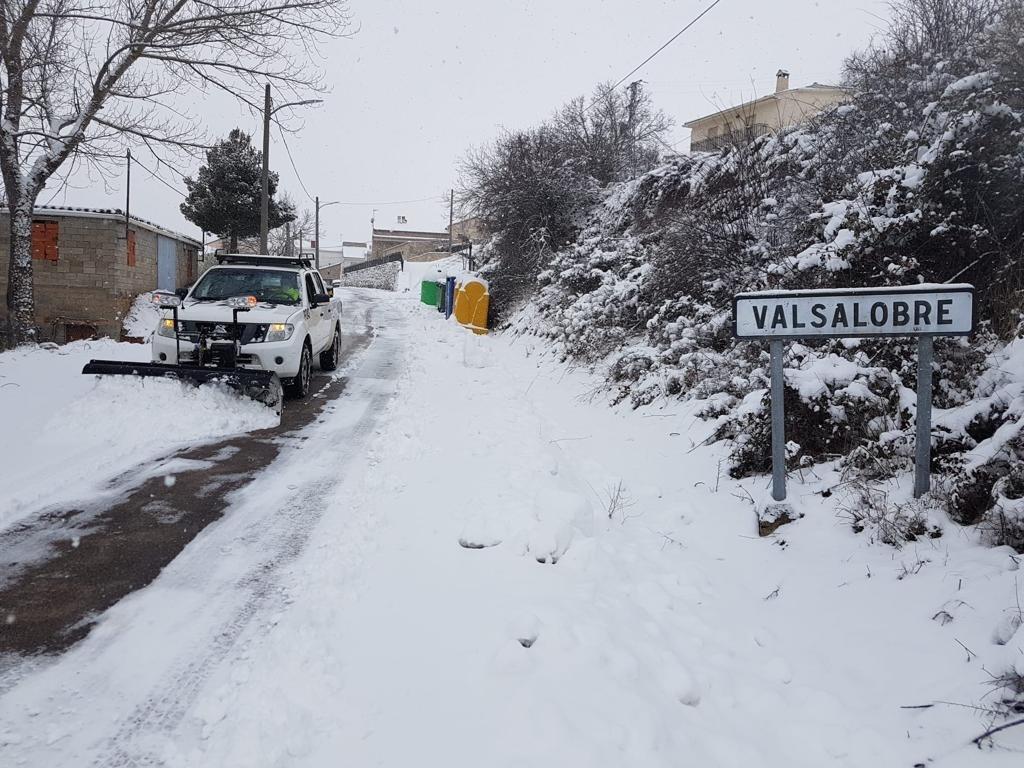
469,230
413,245
767,114
426,246
88,268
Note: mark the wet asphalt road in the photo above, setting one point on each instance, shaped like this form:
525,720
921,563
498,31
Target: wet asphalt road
60,569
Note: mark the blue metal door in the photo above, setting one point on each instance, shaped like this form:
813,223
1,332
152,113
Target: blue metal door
166,263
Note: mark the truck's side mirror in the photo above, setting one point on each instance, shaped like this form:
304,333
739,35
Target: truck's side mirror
318,299
181,293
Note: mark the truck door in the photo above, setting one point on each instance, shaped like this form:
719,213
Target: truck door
315,316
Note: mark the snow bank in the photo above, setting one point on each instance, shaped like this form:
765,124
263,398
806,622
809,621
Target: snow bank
74,432
142,318
416,272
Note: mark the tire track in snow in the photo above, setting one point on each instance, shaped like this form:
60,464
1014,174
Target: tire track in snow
284,535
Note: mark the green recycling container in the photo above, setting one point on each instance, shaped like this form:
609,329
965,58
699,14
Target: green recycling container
428,292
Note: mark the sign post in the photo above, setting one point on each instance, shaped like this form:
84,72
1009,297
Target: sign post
778,423
924,311
923,444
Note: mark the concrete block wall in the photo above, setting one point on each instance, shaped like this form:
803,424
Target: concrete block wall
78,287
91,282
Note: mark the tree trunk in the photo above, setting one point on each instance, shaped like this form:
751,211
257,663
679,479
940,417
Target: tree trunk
21,328
233,243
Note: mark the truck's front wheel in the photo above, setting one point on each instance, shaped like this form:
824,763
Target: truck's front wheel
329,357
299,385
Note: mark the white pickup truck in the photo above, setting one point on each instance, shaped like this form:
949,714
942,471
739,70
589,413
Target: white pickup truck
293,317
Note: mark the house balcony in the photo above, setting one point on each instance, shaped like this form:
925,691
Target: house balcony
731,139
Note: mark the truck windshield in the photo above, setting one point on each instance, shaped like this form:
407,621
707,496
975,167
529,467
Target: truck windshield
269,285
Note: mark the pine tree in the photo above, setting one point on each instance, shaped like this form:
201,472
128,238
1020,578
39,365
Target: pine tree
224,198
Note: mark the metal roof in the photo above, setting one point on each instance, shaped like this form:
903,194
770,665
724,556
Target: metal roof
112,213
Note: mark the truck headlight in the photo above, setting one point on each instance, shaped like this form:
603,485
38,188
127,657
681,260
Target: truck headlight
279,331
166,327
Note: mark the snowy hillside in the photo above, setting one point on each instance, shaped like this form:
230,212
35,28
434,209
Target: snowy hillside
908,183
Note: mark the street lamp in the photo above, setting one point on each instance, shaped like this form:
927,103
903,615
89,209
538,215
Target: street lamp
316,225
265,178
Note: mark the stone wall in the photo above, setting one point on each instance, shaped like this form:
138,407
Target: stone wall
428,256
384,277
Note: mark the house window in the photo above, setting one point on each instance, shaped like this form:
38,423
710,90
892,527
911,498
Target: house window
131,248
44,240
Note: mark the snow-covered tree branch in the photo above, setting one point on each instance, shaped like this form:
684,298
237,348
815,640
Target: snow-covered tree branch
82,80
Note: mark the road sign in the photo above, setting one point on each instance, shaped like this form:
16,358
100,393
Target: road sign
920,310
924,311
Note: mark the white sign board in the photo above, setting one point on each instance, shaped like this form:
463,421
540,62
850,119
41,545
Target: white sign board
918,310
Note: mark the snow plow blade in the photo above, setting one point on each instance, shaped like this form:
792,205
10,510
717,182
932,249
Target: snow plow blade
262,386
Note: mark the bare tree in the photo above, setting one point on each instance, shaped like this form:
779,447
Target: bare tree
82,79
618,134
303,225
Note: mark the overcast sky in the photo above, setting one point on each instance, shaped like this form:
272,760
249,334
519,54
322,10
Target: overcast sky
420,82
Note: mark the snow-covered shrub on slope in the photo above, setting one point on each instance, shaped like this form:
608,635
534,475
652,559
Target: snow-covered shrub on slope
917,179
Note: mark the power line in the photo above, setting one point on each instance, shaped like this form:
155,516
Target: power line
342,202
291,160
671,40
158,178
395,202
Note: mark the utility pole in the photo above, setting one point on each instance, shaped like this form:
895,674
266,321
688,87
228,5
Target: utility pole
127,196
317,225
373,220
451,221
288,239
265,176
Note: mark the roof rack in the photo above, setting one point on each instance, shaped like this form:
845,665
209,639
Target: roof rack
264,260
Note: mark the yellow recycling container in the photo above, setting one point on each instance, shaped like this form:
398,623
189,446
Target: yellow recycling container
471,302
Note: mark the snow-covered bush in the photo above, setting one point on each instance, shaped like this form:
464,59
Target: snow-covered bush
532,188
915,179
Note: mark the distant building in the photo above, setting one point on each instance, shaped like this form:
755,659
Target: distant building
223,245
88,268
767,114
413,245
334,259
469,230
427,246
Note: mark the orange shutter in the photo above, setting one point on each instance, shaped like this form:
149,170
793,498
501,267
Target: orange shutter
131,248
44,240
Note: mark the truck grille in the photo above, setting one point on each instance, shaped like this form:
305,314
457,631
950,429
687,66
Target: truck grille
191,330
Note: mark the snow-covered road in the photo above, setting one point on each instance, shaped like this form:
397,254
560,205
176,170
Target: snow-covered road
467,563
